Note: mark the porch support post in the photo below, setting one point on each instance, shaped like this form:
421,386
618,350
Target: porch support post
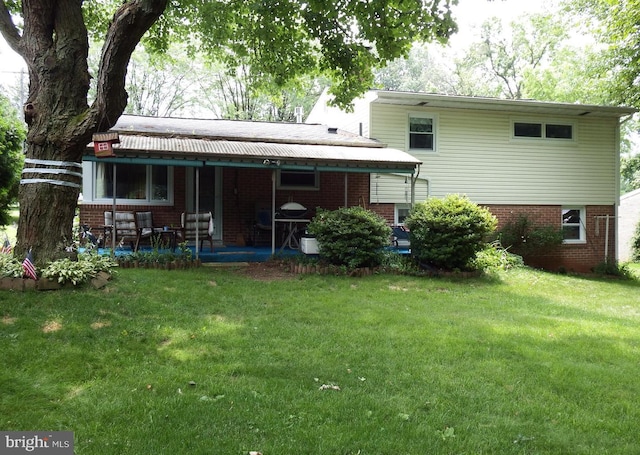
273,212
113,215
346,189
197,212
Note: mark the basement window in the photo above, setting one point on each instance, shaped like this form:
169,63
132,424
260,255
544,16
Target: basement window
573,227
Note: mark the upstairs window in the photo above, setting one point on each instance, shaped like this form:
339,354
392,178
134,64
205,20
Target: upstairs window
543,130
422,132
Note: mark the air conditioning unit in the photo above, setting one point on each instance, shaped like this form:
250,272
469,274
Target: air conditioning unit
309,245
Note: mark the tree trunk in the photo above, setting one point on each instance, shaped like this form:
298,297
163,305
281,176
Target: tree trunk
55,47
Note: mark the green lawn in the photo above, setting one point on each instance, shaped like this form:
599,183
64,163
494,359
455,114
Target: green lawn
208,361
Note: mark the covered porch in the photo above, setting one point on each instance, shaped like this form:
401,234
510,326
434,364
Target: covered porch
254,165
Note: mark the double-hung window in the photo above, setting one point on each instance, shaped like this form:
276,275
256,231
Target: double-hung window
573,226
422,132
135,183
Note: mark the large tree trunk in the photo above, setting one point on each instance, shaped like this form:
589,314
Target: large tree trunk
55,47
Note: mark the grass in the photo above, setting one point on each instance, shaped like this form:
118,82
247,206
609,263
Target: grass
210,361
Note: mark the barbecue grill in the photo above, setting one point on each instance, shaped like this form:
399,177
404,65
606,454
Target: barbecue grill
292,210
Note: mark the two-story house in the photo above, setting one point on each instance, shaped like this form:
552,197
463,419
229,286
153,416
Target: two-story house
556,163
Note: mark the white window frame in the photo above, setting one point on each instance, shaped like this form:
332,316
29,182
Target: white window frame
399,211
91,188
583,231
543,125
434,120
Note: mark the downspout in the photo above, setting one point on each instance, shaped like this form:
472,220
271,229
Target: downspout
414,178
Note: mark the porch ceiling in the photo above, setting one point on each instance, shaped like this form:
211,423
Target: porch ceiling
198,151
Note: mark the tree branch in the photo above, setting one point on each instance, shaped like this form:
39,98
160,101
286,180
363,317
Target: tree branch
9,30
130,23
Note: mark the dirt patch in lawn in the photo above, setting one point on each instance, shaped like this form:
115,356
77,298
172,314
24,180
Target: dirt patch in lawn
267,271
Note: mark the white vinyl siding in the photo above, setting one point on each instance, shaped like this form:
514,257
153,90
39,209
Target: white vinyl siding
396,189
479,157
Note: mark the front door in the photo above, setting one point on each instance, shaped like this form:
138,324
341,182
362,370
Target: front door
209,196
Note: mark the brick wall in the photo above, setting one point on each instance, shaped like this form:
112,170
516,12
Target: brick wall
246,190
579,258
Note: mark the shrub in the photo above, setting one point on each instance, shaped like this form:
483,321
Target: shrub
495,257
635,245
447,233
10,267
352,237
76,272
613,268
525,238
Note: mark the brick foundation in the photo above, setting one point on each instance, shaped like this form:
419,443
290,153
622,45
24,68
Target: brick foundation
580,258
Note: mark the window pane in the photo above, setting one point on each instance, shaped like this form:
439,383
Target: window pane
159,183
571,228
527,129
104,180
420,125
305,179
571,216
559,131
131,181
421,141
571,232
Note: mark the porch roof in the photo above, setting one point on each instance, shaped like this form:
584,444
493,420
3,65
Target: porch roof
197,142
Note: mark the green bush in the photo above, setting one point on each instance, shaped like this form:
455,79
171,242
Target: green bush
352,237
524,237
635,245
447,233
495,257
76,272
10,267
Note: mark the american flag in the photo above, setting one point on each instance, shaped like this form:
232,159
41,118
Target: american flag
28,267
6,246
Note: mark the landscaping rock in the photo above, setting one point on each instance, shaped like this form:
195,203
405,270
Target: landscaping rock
100,280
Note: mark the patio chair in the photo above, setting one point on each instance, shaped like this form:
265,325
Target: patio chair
125,228
146,231
262,226
400,237
202,223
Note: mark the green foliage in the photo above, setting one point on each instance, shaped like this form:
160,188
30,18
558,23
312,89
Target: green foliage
353,237
630,173
12,134
524,237
635,244
615,25
282,41
613,268
76,272
10,267
447,233
495,257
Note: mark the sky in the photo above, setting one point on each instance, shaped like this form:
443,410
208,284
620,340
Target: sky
469,14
